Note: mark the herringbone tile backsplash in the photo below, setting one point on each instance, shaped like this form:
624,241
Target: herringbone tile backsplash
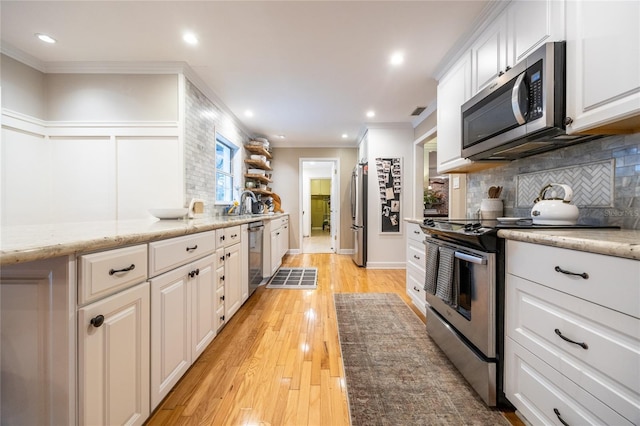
592,184
604,175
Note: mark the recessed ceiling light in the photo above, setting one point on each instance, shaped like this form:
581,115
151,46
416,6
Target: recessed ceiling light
190,38
397,59
371,114
248,113
344,136
281,136
45,38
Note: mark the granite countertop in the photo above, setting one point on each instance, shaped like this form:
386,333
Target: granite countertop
612,242
25,243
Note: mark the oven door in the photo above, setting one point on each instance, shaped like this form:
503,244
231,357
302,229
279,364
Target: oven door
474,317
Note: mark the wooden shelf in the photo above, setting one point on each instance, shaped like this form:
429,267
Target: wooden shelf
261,191
255,149
257,164
261,178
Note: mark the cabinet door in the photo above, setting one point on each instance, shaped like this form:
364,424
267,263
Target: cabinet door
489,55
276,259
244,262
203,293
113,359
232,282
603,63
453,90
284,240
531,24
170,331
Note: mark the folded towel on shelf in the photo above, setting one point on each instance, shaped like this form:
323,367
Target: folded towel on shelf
431,269
446,287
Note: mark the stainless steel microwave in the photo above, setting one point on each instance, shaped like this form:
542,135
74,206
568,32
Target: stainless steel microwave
522,113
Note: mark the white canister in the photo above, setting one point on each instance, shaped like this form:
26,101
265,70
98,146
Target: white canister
491,208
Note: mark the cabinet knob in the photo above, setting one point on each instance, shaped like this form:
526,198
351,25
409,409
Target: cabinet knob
222,278
192,248
194,273
568,121
508,68
222,318
228,255
501,73
97,321
222,258
416,288
222,298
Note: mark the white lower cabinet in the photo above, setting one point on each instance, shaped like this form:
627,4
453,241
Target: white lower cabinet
113,359
232,280
38,353
572,351
415,266
183,303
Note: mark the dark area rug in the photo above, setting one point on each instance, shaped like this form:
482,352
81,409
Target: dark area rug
396,375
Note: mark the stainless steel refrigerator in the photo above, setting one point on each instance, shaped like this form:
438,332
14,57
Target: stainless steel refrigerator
359,213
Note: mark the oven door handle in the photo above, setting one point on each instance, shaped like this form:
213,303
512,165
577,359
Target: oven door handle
470,258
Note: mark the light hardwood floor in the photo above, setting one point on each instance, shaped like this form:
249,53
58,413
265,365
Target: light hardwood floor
277,361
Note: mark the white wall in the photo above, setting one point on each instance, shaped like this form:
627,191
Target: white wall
387,250
23,88
112,151
112,97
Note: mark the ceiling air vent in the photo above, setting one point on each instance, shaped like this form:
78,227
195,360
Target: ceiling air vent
416,112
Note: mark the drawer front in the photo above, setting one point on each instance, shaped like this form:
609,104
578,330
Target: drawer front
415,283
231,235
613,282
537,390
104,273
415,255
609,367
174,252
414,232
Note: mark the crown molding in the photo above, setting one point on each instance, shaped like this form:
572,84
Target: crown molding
22,56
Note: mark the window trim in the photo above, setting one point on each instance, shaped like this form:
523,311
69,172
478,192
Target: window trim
232,162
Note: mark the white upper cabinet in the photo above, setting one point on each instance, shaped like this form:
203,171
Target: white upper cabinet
489,54
603,64
516,32
532,24
453,90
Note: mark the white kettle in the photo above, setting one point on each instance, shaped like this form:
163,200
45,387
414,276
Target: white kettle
554,210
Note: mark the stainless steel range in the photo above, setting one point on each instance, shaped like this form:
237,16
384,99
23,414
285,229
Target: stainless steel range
464,287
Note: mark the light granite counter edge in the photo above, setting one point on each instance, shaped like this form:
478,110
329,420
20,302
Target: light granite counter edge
620,242
55,243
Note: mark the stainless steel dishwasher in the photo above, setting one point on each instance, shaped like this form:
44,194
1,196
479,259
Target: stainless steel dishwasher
256,231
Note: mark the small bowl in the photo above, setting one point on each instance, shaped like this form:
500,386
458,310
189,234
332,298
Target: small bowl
177,213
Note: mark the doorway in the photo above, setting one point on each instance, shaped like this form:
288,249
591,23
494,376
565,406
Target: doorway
319,208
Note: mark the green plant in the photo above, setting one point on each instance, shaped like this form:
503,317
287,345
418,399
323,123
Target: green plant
432,197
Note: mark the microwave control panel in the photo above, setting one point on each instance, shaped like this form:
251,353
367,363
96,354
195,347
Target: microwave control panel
535,91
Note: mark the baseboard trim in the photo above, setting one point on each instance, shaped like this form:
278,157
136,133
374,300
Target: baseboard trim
345,251
386,265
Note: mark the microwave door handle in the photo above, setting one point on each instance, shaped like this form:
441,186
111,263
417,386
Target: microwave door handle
515,100
469,258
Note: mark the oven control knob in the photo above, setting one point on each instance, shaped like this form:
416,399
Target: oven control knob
429,222
476,225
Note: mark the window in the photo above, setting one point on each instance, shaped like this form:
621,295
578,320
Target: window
225,151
